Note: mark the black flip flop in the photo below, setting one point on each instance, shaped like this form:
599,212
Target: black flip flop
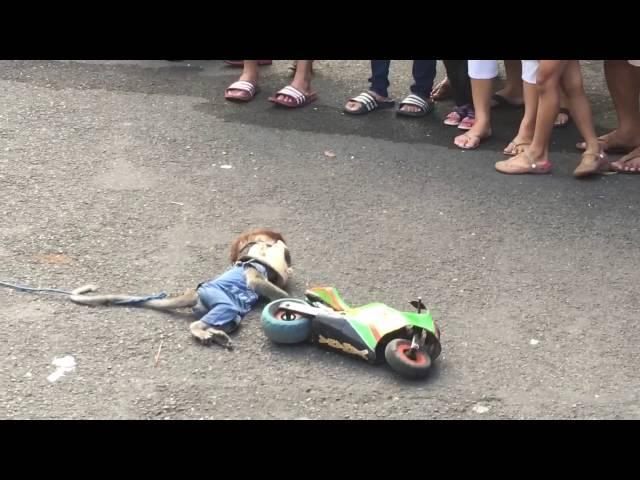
425,106
368,103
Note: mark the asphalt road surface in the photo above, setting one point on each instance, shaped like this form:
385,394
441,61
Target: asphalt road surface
111,173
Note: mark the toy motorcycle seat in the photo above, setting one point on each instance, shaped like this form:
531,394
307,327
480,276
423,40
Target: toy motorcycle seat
328,296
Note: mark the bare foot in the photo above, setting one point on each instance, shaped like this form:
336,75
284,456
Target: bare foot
630,163
616,142
207,334
473,137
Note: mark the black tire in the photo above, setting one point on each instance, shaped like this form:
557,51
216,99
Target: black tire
281,326
395,354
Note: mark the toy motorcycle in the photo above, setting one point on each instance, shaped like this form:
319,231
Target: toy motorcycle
408,341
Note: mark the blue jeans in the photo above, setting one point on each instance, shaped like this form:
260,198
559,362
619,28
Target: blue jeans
224,301
424,72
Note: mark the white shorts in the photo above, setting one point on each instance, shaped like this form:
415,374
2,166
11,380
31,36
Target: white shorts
488,69
635,63
483,69
530,71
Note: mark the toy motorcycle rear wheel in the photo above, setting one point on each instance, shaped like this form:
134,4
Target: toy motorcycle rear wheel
399,357
283,326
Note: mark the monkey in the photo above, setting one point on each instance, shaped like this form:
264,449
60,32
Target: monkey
260,267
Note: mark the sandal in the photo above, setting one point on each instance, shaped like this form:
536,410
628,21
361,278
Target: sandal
509,167
442,91
299,98
424,106
599,165
468,121
368,103
514,148
455,117
249,88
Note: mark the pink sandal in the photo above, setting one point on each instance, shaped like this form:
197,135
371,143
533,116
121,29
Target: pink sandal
299,98
249,88
468,121
458,115
455,117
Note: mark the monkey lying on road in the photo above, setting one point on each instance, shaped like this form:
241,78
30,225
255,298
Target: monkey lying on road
261,268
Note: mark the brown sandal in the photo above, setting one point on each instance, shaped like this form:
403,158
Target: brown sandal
599,165
504,166
514,148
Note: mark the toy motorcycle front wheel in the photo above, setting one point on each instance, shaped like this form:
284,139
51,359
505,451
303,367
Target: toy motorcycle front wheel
400,358
283,326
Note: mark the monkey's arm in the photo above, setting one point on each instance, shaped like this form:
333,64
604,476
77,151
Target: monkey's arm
263,287
187,299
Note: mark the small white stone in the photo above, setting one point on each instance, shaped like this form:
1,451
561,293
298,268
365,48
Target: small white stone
478,408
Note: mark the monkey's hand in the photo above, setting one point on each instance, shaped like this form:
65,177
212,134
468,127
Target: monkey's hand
207,334
263,287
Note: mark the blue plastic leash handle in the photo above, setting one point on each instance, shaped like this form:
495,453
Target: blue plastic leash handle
30,289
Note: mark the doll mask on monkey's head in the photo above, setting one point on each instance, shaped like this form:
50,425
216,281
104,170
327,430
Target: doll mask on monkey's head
276,256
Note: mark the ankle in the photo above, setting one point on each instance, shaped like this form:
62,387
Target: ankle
249,77
378,96
481,125
630,133
592,147
537,156
525,133
301,85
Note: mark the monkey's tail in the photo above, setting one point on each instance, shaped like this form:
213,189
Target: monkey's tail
128,300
